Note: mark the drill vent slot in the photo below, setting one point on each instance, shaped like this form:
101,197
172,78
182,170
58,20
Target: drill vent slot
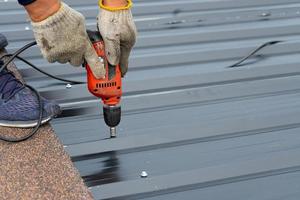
105,85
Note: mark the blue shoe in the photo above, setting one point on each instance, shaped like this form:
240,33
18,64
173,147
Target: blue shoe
19,106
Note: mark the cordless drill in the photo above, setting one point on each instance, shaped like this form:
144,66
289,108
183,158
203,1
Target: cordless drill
109,89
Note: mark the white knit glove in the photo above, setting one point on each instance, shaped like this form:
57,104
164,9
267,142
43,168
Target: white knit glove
62,37
119,34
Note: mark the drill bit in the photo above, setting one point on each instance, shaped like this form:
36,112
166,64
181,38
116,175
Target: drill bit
113,132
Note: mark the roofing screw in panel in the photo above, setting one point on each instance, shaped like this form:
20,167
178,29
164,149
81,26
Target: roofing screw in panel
68,86
265,14
144,174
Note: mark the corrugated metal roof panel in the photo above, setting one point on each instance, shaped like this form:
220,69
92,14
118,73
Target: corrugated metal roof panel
197,128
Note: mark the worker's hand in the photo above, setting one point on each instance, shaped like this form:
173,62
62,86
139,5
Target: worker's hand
62,37
115,23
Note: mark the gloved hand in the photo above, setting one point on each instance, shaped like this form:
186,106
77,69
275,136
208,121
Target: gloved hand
119,33
62,37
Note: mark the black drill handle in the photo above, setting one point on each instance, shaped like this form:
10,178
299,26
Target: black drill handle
95,36
112,115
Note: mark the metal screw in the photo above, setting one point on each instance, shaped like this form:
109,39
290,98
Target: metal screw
27,28
176,22
68,86
144,174
265,14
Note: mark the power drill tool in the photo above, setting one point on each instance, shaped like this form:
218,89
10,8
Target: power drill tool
109,89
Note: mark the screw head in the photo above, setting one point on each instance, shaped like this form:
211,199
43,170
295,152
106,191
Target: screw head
144,174
68,86
265,14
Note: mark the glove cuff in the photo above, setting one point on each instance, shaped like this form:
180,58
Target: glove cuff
129,5
63,17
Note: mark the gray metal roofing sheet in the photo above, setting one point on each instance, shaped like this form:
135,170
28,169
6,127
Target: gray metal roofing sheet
199,129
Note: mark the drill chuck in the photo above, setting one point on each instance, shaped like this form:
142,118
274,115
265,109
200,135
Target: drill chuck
112,117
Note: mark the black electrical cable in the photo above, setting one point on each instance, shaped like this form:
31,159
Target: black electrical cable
237,64
43,72
41,110
27,46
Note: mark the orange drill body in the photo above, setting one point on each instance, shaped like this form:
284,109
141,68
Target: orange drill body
109,89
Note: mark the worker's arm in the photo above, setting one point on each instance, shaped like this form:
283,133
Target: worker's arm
40,10
61,34
118,30
115,3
